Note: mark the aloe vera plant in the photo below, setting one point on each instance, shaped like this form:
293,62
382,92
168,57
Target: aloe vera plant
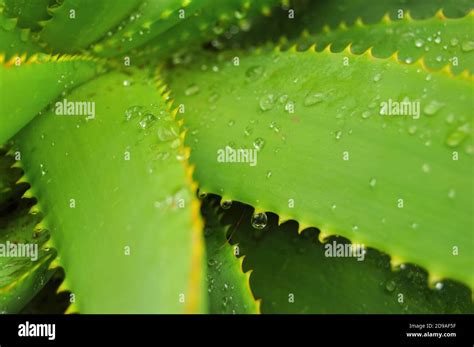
237,156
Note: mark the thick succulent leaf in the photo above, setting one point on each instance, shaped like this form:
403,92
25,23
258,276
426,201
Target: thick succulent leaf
440,41
36,82
313,16
14,40
228,286
206,25
28,12
117,199
332,13
150,19
77,23
327,158
305,280
21,277
7,178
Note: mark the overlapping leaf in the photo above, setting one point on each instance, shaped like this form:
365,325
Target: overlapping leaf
116,198
392,182
439,41
24,261
75,24
228,286
34,83
297,274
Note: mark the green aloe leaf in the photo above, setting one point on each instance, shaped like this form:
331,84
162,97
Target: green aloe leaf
150,19
7,179
13,40
393,182
116,198
24,262
305,279
34,83
206,25
28,12
314,16
22,277
332,13
440,41
228,286
76,24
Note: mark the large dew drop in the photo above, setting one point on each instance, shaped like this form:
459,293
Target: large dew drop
226,204
456,137
259,220
267,102
432,108
253,73
193,89
313,98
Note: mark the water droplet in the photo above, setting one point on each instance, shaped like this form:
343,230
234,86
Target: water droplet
377,77
450,118
259,220
147,121
390,285
412,129
213,98
282,99
409,60
226,204
454,41
43,170
231,123
426,168
313,98
467,46
419,43
259,143
373,182
451,193
133,112
469,149
290,106
126,83
439,285
414,225
338,135
269,174
432,108
366,114
248,131
355,228
267,102
333,207
437,40
455,138
192,89
211,262
168,132
253,73
274,126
